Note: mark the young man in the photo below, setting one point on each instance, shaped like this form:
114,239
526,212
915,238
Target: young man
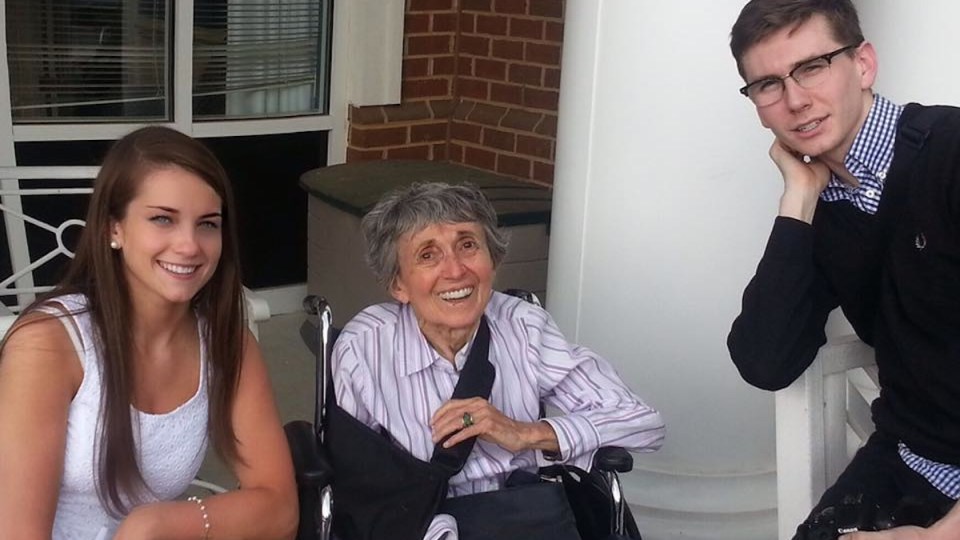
869,221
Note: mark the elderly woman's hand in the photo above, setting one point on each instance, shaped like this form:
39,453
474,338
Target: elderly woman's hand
465,418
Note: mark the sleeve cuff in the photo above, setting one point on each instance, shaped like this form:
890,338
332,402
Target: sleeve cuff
578,440
443,527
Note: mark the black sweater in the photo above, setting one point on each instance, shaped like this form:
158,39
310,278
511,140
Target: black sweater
896,275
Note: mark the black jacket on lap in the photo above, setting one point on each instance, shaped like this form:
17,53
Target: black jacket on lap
896,275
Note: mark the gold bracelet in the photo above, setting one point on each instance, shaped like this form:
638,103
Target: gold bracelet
204,514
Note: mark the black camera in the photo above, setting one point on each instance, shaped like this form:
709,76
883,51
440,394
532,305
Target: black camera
855,514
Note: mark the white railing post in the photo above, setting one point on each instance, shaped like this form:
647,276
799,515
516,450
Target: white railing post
814,416
16,229
800,459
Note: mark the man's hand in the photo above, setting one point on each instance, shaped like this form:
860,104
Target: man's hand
899,533
490,425
948,528
803,182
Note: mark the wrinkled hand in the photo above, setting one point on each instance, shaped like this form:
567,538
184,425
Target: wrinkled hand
803,182
490,425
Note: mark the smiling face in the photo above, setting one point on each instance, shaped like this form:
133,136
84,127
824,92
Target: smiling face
823,120
446,275
169,237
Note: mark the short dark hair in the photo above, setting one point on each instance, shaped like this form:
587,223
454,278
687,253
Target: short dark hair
761,18
416,207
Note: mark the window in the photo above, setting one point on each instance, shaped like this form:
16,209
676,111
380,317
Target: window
73,60
257,58
249,77
112,60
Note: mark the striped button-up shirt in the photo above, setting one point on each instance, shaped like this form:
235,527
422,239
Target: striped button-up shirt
868,158
387,375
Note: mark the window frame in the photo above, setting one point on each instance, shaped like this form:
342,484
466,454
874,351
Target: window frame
334,122
181,94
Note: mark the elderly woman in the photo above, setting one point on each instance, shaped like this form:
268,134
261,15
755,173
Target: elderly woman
436,248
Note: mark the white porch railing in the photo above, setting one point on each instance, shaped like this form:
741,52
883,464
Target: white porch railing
822,419
14,186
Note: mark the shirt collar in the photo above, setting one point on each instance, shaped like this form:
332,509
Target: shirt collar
419,354
871,153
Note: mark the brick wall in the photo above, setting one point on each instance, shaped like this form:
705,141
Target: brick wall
480,87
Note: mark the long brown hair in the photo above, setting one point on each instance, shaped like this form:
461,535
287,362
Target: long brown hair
97,272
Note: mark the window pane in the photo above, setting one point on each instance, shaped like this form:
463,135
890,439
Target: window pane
90,60
260,58
271,205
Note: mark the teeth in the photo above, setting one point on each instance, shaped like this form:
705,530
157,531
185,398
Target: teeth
809,127
457,294
178,269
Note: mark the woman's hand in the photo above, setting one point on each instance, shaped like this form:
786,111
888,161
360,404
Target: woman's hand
490,425
265,507
138,525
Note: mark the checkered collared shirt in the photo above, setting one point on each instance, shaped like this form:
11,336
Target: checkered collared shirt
942,476
868,159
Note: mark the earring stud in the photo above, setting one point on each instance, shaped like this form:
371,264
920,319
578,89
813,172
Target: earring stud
114,244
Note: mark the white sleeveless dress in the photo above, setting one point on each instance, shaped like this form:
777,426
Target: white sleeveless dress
170,446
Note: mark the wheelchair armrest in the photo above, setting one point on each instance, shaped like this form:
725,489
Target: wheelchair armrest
613,458
309,461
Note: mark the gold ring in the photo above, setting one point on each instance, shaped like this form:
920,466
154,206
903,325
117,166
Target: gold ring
467,420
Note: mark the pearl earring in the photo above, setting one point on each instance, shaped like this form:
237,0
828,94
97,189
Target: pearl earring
114,244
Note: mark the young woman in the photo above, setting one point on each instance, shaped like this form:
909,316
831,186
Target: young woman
111,385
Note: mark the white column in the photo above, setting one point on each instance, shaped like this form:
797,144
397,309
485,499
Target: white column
664,198
376,36
918,46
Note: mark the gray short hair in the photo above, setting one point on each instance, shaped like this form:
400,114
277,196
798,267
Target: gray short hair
413,208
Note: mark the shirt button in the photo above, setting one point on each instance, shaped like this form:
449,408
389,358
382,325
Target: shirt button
871,193
882,175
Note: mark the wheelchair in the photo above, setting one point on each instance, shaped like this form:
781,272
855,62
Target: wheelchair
316,481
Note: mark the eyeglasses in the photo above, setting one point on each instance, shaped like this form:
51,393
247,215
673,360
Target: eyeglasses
808,74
